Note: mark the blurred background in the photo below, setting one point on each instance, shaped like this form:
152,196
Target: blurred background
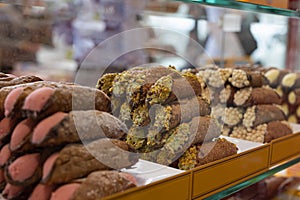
56,39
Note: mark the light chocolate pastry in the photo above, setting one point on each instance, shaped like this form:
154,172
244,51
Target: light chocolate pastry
277,129
105,83
198,155
275,76
77,160
168,117
41,192
5,155
169,88
14,192
97,185
242,79
254,96
261,114
7,126
45,101
290,81
15,98
63,128
19,80
294,97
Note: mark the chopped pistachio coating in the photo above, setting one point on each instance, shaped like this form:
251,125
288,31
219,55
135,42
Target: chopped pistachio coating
105,83
136,137
160,91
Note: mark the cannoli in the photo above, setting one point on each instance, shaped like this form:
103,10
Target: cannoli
254,96
5,155
215,78
226,95
62,128
198,155
275,76
137,137
6,127
96,186
277,129
292,118
290,81
19,80
125,113
105,83
20,138
24,170
14,100
13,192
2,180
41,192
76,161
242,79
141,116
168,117
261,114
294,97
168,89
232,116
5,79
46,101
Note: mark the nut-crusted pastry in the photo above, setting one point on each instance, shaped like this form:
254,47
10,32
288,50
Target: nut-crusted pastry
76,161
198,155
46,101
261,114
241,79
254,96
105,83
62,128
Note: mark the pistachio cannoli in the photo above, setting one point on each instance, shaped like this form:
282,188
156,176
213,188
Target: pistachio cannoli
137,137
96,186
168,89
45,101
261,114
76,161
198,155
168,117
254,96
63,128
105,83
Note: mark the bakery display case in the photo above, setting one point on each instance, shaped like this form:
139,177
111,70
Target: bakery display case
223,116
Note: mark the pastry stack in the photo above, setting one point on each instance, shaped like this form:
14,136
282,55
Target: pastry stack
244,103
58,141
167,112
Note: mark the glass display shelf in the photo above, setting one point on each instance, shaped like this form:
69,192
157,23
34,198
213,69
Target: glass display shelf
251,181
246,6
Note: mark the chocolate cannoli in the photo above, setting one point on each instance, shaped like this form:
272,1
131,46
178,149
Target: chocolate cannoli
14,192
277,129
7,125
198,155
41,192
2,180
261,114
19,80
168,117
5,155
15,98
168,89
294,97
105,83
20,138
96,186
24,170
275,76
290,81
45,101
63,128
254,96
76,161
242,79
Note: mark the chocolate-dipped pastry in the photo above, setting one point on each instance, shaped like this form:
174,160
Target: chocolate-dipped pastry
13,192
254,96
290,81
277,129
261,114
62,128
41,192
7,125
2,180
46,101
76,161
15,99
19,80
105,83
5,155
242,79
198,155
275,76
294,97
226,95
96,186
215,77
168,117
169,88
